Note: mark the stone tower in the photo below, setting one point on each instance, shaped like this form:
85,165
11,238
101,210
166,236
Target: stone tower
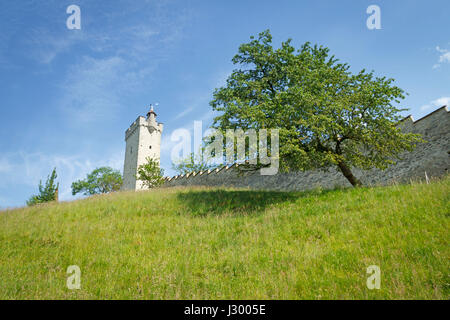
143,139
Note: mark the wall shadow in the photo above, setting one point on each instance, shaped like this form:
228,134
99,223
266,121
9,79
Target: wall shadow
232,202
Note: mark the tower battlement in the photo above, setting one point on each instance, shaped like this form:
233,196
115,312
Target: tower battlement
140,121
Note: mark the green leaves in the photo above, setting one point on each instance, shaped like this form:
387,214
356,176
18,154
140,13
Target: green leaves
46,193
326,114
100,180
150,173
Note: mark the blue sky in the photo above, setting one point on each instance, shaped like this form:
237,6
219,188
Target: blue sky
67,96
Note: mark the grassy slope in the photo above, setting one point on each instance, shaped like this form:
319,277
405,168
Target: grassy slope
222,243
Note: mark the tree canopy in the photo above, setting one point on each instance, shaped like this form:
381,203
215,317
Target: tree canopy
326,115
100,180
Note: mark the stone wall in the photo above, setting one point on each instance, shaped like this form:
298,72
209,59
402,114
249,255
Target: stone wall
432,157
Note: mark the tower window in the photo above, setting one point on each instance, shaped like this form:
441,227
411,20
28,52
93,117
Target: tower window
150,147
131,149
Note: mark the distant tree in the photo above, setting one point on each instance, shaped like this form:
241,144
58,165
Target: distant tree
100,180
47,193
326,115
150,173
195,162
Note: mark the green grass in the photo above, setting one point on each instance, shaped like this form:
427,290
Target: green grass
201,243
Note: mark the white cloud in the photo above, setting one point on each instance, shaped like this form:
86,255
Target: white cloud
5,165
443,101
96,88
46,46
444,57
183,113
92,89
111,58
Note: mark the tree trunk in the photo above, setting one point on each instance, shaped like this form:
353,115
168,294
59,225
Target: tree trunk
348,174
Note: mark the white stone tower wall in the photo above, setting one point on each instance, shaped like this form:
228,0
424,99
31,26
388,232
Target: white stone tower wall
143,139
130,163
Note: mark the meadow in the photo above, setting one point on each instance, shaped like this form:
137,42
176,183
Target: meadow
220,243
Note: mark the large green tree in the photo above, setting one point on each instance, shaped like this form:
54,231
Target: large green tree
326,114
100,180
47,192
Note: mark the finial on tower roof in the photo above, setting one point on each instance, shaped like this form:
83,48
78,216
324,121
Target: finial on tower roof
151,110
